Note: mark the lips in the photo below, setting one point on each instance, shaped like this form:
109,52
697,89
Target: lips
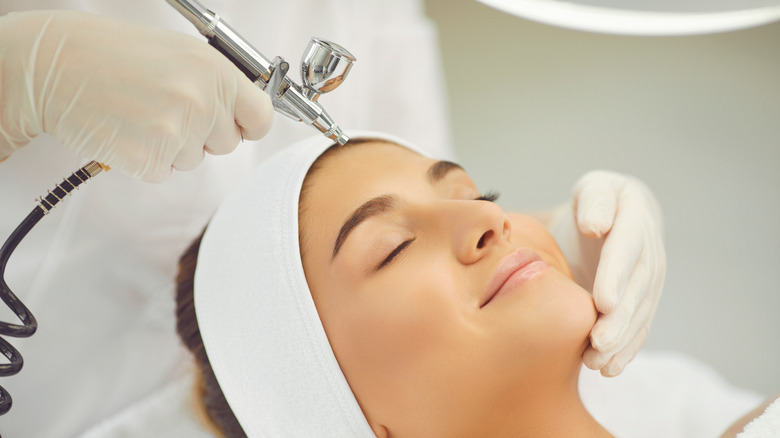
513,270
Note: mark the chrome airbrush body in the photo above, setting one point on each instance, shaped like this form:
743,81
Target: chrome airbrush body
324,66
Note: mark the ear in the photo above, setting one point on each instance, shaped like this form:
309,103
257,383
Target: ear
379,430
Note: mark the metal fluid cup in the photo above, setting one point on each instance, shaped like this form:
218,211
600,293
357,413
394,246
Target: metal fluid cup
324,66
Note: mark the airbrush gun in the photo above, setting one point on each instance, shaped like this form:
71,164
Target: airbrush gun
324,67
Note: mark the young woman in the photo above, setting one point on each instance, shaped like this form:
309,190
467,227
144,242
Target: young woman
377,292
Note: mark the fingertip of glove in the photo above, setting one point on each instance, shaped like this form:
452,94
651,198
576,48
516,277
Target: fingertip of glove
593,359
598,343
612,369
616,365
606,302
602,339
595,222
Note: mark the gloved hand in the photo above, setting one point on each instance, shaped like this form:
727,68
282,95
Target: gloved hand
140,99
611,234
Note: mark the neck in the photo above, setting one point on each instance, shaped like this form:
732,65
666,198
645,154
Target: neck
558,412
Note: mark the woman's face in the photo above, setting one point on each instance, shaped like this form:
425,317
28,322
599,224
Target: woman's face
446,314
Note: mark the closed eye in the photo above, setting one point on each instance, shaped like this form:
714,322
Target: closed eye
490,196
395,252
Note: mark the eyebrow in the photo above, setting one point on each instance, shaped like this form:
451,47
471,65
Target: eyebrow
440,169
372,207
383,204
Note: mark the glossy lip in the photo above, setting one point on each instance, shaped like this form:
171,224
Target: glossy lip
524,262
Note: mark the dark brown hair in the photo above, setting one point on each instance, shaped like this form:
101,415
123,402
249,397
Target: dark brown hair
209,395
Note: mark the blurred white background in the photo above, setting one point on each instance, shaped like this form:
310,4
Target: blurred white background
533,107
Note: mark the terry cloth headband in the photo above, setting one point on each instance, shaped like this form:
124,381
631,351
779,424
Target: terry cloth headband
260,328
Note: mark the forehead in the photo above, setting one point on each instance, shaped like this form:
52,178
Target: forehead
362,169
374,155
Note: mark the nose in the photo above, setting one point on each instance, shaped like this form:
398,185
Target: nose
475,228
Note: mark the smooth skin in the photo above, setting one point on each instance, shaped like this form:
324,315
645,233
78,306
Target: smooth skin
421,355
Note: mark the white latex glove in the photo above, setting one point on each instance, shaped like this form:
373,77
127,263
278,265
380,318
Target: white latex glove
611,234
140,99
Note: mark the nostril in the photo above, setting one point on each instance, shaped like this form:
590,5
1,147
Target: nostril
485,237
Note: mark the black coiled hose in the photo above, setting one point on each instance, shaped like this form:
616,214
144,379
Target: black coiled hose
29,324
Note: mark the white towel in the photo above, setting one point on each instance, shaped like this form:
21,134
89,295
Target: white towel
765,426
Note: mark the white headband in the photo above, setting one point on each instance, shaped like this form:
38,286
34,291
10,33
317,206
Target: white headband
259,325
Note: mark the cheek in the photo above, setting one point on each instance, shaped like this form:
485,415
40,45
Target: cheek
389,325
394,335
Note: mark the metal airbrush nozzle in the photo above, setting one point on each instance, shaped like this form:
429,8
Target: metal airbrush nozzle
324,67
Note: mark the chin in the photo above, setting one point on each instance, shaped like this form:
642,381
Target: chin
550,320
572,311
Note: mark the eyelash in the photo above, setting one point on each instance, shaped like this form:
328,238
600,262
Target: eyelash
490,196
395,252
